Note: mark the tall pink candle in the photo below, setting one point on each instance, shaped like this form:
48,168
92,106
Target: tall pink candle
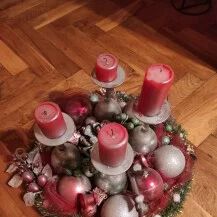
158,80
50,120
113,140
106,67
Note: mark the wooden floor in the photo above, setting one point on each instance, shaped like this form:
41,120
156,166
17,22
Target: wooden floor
48,46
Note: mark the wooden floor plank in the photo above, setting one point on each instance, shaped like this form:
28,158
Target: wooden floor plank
56,13
198,113
13,63
48,47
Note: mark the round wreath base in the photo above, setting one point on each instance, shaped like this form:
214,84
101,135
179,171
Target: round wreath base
169,206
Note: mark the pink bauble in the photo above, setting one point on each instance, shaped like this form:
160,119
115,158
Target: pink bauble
70,187
78,107
33,187
150,184
28,176
42,180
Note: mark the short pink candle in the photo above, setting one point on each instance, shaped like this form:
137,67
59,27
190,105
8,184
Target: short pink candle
112,140
50,120
106,67
158,80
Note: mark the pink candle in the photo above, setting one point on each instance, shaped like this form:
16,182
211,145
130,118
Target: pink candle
157,82
50,120
113,140
106,67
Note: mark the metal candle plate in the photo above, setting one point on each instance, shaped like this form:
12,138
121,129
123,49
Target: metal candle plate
163,115
115,83
95,159
60,140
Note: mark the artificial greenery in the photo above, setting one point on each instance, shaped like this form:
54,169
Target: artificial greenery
175,208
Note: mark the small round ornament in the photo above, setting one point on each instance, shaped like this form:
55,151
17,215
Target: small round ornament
42,180
119,206
143,139
90,120
166,140
63,157
111,184
107,109
33,187
78,107
70,187
169,161
150,184
27,176
94,98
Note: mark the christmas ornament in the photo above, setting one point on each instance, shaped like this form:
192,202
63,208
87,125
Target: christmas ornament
69,187
111,184
27,176
107,109
89,202
78,107
143,139
94,98
90,120
129,109
33,187
119,206
63,157
42,180
149,183
169,161
166,140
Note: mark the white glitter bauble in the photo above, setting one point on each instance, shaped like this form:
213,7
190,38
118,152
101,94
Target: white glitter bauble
119,206
169,161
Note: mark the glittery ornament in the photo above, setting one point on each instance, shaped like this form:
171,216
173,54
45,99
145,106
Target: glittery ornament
169,128
27,176
69,187
149,183
119,206
42,180
78,107
166,140
107,109
94,98
143,139
169,161
63,157
33,187
111,184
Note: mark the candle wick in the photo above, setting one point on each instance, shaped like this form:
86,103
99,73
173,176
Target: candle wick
44,113
160,69
111,133
105,59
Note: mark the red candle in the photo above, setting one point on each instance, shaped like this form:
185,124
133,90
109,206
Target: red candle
157,82
50,120
106,67
112,140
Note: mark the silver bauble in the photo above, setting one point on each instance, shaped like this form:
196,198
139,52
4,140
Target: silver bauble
111,184
119,206
143,139
129,109
66,156
169,161
107,109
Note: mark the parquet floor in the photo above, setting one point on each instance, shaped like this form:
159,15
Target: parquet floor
48,46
